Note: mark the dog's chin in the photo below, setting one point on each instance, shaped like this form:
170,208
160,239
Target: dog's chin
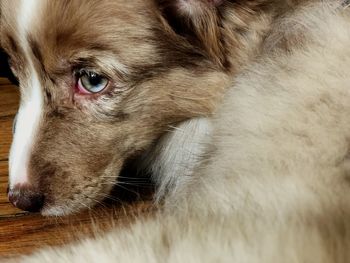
56,211
64,209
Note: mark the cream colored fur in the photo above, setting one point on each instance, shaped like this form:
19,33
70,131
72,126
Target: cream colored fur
174,158
274,183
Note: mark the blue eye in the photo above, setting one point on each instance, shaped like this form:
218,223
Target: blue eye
91,82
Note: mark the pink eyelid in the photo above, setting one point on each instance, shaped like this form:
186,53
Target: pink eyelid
80,89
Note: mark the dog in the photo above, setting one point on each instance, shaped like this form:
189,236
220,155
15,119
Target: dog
91,100
256,169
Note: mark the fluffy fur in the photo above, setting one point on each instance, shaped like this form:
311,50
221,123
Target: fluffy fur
177,68
273,183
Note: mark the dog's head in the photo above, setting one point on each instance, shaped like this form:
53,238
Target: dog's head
100,81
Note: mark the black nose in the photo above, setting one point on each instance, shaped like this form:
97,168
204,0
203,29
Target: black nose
26,198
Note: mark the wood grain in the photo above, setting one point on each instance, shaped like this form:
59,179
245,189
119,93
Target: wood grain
22,232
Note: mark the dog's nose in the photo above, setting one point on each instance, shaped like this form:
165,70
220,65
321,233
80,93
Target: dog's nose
26,198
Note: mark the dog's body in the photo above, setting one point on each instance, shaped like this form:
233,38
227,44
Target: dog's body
266,177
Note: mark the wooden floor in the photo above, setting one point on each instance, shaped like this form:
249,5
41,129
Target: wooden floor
21,232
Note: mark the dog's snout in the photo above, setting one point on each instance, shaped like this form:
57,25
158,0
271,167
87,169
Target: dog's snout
26,198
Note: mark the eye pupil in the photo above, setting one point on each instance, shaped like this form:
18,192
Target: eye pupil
91,82
95,79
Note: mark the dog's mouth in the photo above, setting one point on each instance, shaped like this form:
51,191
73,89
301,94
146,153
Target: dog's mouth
60,202
31,201
59,192
61,185
129,187
57,211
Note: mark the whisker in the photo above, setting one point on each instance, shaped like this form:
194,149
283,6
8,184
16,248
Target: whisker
87,206
95,200
140,184
137,184
132,191
125,177
110,197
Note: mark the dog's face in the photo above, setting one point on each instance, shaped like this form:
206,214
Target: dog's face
100,81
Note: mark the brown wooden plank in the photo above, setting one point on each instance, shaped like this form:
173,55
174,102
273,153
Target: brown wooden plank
8,99
5,136
26,233
8,107
3,170
4,81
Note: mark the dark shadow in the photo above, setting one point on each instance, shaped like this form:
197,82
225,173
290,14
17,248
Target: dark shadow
5,71
132,185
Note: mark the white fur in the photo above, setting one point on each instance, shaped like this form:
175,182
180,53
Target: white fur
27,11
30,111
187,7
275,185
172,160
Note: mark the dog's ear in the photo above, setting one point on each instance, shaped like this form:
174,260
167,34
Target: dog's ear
198,21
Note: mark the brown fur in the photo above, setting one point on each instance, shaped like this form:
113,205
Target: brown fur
271,184
173,72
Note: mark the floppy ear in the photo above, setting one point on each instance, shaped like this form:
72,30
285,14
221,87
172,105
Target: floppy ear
198,21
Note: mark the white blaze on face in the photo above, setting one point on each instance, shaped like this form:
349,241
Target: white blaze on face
31,107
